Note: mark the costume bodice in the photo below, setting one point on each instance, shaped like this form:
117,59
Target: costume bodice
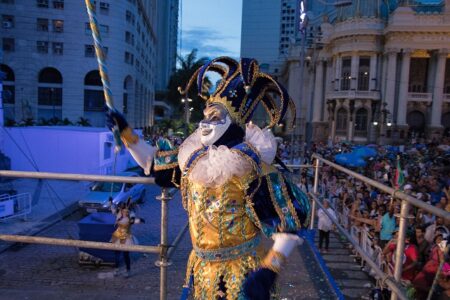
218,216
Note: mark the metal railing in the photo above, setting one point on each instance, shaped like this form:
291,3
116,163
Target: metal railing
164,249
406,202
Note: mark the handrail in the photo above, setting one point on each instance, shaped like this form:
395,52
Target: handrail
78,243
395,193
76,177
387,279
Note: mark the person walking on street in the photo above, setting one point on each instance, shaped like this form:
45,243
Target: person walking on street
325,225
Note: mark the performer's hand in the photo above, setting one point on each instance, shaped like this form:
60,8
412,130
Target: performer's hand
259,284
115,118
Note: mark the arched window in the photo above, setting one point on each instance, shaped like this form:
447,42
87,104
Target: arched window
341,121
127,92
9,91
416,121
50,93
361,119
94,99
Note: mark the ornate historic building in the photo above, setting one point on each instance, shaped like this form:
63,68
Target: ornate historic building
374,71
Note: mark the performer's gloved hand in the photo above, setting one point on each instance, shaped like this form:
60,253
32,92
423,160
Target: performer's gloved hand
115,118
259,284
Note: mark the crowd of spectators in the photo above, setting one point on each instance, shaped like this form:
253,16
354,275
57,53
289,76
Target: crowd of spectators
373,216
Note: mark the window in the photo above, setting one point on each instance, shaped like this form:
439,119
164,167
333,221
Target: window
346,77
57,48
42,46
7,21
129,16
42,24
418,75
361,119
49,96
129,38
8,44
58,4
107,149
104,8
7,1
87,28
104,29
8,94
364,74
58,25
42,3
129,58
93,92
89,50
50,93
341,121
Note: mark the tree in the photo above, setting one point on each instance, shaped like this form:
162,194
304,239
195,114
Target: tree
188,65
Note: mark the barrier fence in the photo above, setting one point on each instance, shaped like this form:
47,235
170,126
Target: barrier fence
358,238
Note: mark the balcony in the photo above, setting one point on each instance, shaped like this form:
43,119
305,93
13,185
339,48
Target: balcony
420,97
371,95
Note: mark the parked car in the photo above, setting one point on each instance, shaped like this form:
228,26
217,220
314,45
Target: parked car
97,199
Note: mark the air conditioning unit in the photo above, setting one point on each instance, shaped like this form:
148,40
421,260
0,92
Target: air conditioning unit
7,24
104,5
42,2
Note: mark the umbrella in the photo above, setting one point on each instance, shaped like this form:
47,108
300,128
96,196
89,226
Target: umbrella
365,152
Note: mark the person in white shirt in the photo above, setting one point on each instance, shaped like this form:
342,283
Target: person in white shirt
325,225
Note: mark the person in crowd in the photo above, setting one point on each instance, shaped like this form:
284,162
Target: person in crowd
325,225
125,218
423,247
387,227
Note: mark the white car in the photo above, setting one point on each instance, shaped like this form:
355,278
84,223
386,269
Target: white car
97,199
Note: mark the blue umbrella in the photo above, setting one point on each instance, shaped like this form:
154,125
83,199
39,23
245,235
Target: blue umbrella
365,152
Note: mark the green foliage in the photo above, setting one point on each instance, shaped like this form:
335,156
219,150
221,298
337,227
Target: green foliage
188,65
10,122
67,122
84,122
27,122
176,125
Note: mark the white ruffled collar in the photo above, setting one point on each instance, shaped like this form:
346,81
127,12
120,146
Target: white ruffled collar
261,139
221,163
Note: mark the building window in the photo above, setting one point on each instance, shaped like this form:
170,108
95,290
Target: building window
57,48
361,119
93,92
8,94
364,74
7,1
341,121
346,77
104,8
129,16
129,38
89,50
87,28
50,93
58,25
7,21
107,149
127,90
418,75
129,58
58,4
104,29
42,24
8,44
42,46
42,3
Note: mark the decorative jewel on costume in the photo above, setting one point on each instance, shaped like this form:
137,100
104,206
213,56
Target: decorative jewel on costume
248,89
233,93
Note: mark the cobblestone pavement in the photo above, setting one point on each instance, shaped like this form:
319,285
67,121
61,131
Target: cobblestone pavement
50,272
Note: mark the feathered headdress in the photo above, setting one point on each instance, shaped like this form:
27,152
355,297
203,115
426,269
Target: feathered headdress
242,88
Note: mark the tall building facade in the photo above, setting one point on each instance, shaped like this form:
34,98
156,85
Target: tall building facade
167,29
50,66
375,71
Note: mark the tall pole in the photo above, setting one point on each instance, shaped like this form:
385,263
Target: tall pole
302,69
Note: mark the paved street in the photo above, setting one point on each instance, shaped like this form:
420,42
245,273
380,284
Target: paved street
46,272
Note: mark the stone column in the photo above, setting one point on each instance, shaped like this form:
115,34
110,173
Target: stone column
318,92
328,86
403,89
351,123
373,73
438,91
337,77
390,79
354,71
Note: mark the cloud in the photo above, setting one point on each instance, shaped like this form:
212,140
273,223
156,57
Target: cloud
209,42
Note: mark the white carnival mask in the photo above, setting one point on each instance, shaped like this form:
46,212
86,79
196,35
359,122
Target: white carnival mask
214,125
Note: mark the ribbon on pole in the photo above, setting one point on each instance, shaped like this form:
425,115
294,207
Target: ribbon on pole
101,60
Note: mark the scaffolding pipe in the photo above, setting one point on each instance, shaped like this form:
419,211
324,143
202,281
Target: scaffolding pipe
395,193
78,243
390,282
163,261
403,226
76,177
316,185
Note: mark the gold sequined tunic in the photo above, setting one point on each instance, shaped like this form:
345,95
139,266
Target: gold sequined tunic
225,240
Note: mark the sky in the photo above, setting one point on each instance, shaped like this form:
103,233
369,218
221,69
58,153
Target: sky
211,26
